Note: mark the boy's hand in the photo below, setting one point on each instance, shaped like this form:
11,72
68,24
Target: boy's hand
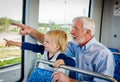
58,62
8,42
12,43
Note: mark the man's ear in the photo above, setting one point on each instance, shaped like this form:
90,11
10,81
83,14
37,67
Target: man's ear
88,32
58,46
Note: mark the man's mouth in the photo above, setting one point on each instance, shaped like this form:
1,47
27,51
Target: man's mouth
74,37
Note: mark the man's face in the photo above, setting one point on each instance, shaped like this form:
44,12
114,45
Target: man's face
77,32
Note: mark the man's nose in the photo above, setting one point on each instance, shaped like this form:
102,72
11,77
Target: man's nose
72,31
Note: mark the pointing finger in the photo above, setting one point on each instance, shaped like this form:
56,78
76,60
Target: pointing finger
19,25
5,39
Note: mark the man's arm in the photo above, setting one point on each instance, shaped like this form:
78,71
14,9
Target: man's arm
37,35
26,30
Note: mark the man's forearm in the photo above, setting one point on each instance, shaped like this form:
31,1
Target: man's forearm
37,35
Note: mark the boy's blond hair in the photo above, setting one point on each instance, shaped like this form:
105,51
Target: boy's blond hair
59,37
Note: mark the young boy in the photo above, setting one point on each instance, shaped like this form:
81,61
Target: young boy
54,45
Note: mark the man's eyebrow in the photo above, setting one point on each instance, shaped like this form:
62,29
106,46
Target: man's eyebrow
75,27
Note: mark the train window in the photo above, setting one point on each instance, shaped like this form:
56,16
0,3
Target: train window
10,57
58,14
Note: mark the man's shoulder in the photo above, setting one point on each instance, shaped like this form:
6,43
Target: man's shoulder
100,48
71,44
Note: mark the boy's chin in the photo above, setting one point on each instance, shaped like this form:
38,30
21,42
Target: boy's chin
46,50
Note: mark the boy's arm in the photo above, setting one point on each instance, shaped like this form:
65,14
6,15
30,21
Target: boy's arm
62,59
32,47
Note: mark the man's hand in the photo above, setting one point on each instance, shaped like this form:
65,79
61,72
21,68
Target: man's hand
23,28
60,77
30,31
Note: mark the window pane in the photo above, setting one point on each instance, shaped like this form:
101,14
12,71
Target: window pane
10,11
58,14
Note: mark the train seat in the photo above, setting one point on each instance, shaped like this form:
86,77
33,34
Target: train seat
117,64
40,75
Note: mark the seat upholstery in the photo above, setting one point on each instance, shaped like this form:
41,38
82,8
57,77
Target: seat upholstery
40,75
117,64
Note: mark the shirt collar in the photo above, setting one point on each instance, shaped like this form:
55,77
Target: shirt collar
90,42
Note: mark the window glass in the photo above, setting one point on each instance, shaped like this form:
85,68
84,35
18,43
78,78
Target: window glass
10,56
58,14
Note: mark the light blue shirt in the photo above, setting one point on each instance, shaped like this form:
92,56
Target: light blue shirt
94,56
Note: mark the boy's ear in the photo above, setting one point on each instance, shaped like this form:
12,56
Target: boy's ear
58,46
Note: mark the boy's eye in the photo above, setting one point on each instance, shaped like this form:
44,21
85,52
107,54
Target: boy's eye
47,41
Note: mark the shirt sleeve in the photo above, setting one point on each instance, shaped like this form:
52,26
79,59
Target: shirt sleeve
106,67
67,60
33,47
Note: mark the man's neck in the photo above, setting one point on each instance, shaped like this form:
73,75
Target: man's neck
86,41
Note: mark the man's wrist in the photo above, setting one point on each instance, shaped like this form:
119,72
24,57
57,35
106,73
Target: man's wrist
30,31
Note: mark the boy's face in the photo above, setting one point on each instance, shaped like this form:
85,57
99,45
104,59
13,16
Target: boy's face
50,45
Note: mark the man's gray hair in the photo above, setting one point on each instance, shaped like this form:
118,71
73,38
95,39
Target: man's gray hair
87,22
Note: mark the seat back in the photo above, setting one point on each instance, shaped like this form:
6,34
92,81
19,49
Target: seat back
116,54
40,75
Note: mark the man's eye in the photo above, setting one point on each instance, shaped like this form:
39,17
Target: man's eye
75,28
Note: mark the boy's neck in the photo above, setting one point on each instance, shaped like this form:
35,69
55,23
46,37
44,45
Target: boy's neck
51,54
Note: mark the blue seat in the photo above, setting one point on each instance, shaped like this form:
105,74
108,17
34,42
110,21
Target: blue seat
40,75
117,64
113,50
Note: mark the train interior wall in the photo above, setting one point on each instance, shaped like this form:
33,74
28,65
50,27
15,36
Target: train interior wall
110,34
